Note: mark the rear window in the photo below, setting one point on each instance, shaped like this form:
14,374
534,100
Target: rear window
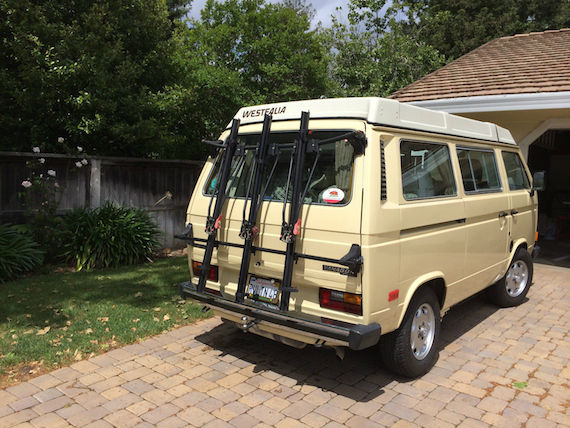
331,182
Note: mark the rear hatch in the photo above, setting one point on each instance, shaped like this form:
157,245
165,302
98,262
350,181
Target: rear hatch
330,221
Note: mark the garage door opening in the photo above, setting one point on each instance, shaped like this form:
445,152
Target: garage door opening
551,153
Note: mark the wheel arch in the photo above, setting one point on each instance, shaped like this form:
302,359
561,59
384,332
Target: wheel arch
434,281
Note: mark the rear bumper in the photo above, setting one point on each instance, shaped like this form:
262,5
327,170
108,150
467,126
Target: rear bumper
355,337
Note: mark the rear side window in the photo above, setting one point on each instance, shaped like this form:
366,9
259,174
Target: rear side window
516,173
478,170
426,170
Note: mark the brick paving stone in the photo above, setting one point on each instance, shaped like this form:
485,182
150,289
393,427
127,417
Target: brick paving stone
160,413
24,403
52,405
140,407
298,409
195,416
49,420
5,410
90,399
210,404
88,416
334,413
122,402
108,383
135,373
244,421
189,399
157,396
43,382
99,424
472,423
289,423
84,366
70,410
265,414
230,411
18,418
492,404
23,390
172,422
137,386
66,374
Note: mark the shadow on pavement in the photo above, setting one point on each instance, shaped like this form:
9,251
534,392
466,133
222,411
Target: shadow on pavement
360,376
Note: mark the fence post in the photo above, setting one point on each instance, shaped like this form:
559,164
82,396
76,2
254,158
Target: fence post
95,184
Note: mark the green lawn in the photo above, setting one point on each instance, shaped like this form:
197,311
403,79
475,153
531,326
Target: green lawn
54,319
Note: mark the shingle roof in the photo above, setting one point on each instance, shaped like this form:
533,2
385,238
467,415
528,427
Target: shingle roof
524,63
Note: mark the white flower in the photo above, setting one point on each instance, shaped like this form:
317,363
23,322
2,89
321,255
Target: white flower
41,176
51,172
79,149
84,161
56,184
41,160
26,183
36,149
78,164
60,139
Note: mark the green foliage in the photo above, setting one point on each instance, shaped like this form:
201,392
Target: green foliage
375,54
18,253
89,72
268,48
109,236
456,27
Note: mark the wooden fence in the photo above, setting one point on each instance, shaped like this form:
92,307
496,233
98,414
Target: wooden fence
163,188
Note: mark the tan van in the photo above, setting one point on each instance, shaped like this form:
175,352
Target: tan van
359,222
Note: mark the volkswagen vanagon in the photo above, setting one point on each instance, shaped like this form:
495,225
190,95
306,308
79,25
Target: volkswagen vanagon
359,222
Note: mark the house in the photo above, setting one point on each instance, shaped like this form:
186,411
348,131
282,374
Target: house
522,83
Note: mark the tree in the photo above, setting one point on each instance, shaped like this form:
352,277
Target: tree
455,27
268,47
374,54
89,71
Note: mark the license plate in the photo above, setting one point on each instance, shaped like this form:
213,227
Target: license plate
263,289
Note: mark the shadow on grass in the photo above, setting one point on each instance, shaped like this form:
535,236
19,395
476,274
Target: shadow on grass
360,376
52,297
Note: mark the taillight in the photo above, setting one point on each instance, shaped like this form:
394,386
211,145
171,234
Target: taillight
339,301
212,273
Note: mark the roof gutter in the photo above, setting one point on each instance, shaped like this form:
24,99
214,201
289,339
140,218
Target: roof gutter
508,102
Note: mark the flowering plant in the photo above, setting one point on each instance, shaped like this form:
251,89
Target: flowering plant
41,196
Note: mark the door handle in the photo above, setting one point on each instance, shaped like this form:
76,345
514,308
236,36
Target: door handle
513,212
503,214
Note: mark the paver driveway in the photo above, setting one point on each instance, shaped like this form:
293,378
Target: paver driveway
208,374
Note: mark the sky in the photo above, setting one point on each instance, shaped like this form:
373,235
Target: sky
324,9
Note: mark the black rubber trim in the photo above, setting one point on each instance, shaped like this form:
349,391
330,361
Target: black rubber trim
358,337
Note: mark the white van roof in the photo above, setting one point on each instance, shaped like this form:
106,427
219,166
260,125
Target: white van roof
380,111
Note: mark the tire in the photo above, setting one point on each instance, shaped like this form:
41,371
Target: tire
408,351
511,289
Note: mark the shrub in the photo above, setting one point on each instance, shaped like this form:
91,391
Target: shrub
109,236
18,253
